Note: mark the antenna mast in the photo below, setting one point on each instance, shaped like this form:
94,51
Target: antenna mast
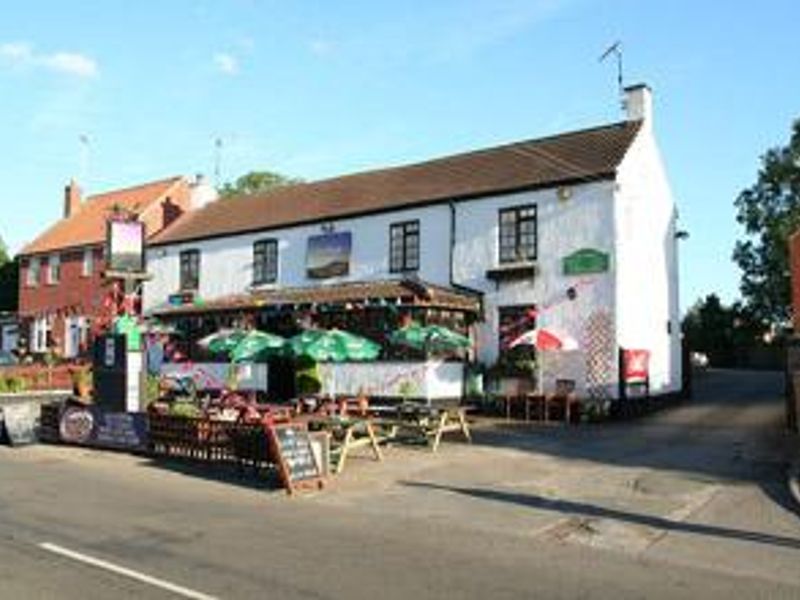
616,50
217,161
84,173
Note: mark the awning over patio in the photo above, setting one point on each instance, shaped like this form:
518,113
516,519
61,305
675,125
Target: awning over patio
407,292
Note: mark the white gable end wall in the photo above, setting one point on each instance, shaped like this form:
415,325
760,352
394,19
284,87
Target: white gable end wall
647,277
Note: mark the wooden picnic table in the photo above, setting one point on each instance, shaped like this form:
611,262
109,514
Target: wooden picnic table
422,422
347,434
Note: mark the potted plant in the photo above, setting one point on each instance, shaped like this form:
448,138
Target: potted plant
82,383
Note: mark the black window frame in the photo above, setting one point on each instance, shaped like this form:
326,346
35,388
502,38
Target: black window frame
404,246
265,261
516,242
190,270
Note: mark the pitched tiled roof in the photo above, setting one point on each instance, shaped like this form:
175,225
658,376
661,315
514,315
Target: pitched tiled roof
87,225
570,157
409,291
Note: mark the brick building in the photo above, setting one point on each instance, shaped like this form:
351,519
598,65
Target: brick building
61,285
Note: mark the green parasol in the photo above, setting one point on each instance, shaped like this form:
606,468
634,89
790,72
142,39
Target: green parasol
333,345
430,338
257,344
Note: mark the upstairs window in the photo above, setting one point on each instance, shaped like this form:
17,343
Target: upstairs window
88,262
33,273
54,269
190,270
518,234
404,246
265,262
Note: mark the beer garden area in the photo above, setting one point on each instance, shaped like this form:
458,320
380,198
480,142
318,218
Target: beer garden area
192,383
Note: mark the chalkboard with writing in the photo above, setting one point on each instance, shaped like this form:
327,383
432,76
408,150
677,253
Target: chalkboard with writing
295,457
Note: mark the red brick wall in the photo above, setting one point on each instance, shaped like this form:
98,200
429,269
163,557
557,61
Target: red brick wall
794,262
74,294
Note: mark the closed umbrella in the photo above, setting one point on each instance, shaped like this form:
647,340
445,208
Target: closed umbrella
257,344
333,345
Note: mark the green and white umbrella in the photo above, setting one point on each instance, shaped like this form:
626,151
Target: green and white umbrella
257,344
430,338
333,345
222,341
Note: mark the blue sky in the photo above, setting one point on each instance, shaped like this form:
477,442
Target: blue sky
315,89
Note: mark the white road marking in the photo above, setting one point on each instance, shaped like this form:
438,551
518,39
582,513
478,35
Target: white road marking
130,573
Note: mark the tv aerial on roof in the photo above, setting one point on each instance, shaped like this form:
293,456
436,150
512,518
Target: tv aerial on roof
615,49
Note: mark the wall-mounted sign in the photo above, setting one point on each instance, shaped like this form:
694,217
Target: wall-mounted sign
125,246
91,426
586,261
328,255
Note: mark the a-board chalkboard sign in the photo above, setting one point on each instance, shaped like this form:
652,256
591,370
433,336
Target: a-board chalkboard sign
294,455
19,421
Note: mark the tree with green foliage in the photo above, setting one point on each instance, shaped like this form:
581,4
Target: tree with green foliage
255,182
9,280
769,210
724,333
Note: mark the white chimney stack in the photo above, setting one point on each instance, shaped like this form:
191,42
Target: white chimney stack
639,103
202,193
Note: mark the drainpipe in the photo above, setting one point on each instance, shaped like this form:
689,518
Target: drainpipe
453,284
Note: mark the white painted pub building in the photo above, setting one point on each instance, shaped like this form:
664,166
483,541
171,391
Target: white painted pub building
573,233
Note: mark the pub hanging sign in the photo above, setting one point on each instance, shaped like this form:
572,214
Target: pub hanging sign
586,261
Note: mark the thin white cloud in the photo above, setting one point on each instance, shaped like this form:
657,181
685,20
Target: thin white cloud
320,47
226,63
23,55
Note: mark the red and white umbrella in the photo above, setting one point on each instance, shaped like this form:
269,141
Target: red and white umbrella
545,339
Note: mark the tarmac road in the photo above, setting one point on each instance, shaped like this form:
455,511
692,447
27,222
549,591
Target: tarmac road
685,504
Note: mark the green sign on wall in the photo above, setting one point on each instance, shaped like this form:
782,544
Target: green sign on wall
585,261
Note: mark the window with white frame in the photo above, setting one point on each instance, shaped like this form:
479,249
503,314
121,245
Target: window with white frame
88,262
40,334
33,272
53,269
265,262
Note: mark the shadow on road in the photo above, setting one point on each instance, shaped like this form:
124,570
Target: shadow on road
731,431
590,510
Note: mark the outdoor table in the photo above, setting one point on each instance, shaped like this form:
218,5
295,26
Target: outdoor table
347,434
425,422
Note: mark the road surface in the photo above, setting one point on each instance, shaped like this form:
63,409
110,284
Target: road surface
689,503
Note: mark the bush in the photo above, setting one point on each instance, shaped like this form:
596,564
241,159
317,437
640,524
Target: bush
307,377
12,385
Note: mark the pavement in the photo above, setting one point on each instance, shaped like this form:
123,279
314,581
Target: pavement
691,502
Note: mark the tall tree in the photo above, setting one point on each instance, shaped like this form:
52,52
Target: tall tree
254,182
769,210
724,333
9,280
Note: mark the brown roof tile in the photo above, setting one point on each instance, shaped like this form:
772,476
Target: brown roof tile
575,156
87,226
409,291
